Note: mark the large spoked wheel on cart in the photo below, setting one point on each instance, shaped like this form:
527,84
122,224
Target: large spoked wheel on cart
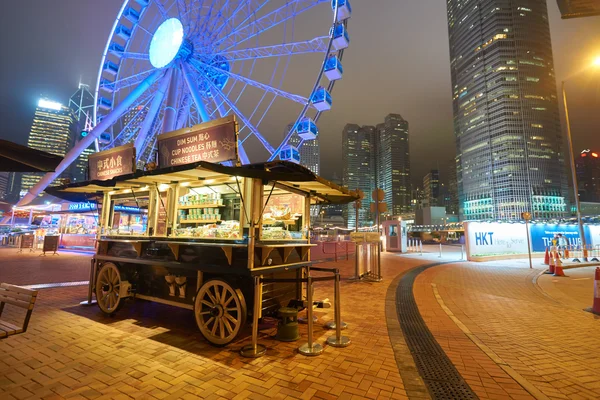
108,288
220,311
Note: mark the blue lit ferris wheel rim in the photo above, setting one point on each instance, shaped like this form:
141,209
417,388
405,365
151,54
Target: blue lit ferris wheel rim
217,68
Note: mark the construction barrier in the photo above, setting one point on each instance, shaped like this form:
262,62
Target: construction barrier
574,253
596,303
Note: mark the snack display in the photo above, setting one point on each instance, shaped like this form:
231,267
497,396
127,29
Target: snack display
225,230
200,208
276,234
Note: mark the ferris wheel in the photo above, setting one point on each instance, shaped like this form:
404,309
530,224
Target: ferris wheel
170,64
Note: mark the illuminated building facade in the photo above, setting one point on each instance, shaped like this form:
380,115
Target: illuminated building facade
4,178
82,104
393,166
431,188
358,169
52,131
587,165
310,155
578,8
507,129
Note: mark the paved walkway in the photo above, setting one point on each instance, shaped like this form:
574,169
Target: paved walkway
509,334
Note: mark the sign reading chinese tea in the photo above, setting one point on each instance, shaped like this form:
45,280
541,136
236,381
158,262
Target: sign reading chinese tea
110,163
214,141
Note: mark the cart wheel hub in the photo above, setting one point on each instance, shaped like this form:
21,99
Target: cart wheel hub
106,288
216,311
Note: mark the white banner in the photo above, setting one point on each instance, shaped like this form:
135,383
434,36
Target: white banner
594,237
492,239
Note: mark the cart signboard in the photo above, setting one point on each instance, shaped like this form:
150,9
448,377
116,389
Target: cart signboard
50,243
161,218
214,141
110,163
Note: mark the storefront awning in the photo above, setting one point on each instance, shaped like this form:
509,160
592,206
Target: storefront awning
17,158
287,175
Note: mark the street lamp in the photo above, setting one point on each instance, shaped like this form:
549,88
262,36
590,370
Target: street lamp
595,63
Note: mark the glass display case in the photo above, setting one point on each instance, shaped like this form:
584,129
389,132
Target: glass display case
209,211
283,216
129,214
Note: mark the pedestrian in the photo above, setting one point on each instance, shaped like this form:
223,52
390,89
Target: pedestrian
562,244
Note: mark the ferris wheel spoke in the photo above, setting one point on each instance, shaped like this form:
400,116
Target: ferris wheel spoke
229,21
127,82
268,21
128,130
259,85
161,9
316,45
134,56
193,88
153,110
217,92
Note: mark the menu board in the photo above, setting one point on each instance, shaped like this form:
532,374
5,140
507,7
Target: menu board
50,243
214,141
107,164
161,220
26,242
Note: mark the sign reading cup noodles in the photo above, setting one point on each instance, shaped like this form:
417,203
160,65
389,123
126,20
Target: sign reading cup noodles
214,141
107,164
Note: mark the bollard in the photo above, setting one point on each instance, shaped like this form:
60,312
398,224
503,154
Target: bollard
462,251
89,300
310,348
338,340
440,256
421,247
255,350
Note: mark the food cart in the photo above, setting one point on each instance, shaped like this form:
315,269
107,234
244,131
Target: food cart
196,235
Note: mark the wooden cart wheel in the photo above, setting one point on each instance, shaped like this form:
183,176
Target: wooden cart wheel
220,311
108,286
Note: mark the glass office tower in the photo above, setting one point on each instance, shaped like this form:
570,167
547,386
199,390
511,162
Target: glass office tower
507,128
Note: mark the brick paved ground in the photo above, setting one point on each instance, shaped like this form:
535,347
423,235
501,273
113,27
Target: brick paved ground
153,351
552,347
29,268
576,290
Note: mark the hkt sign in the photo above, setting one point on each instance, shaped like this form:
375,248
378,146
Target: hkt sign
489,239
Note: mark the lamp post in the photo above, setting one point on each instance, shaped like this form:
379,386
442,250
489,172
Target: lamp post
595,63
573,170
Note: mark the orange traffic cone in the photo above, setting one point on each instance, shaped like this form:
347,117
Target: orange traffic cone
566,252
558,269
596,304
552,263
547,257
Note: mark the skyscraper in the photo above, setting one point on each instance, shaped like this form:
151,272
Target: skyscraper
82,105
431,188
587,165
578,8
310,155
52,131
393,173
4,177
358,168
508,136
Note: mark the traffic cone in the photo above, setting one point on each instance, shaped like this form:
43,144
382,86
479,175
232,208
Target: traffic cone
552,263
558,269
596,304
566,252
547,257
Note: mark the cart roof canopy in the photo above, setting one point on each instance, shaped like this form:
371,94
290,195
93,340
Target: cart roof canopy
286,175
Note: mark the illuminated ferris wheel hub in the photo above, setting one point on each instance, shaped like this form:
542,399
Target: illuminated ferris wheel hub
172,64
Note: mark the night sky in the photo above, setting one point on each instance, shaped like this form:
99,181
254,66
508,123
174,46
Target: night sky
398,62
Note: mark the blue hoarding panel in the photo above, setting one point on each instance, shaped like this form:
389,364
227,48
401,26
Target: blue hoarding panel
542,234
